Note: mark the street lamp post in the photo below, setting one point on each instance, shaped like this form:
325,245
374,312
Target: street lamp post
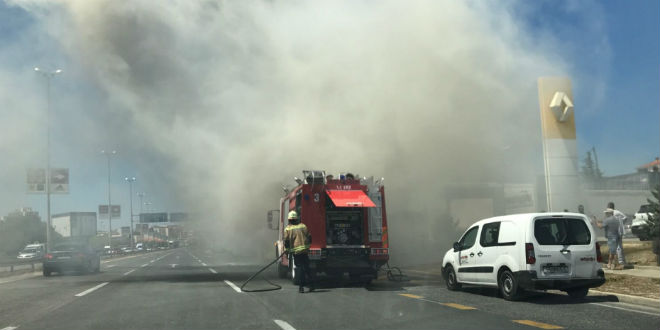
130,184
141,195
109,154
48,76
149,232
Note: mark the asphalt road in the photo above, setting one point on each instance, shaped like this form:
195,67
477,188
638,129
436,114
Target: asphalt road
185,289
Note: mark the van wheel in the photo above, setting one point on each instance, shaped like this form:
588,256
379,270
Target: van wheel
451,280
578,293
281,270
508,285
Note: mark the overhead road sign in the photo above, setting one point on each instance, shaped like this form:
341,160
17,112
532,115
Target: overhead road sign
59,181
103,211
153,217
36,181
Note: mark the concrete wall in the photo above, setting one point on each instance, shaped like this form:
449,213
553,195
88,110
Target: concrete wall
626,201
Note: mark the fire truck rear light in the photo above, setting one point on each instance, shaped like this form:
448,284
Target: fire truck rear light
314,253
529,254
380,252
599,256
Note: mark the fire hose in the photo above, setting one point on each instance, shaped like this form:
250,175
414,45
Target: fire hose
275,286
394,274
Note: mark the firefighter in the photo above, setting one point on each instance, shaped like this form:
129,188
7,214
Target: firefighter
296,241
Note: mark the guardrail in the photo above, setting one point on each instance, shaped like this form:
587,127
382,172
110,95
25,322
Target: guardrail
20,265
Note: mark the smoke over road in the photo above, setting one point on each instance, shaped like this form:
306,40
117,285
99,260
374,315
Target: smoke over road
225,101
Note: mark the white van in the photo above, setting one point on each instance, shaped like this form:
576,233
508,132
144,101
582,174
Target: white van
536,251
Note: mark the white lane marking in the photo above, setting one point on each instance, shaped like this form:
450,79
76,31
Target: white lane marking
110,266
284,325
233,286
152,261
128,272
626,309
9,328
213,271
145,265
92,289
203,264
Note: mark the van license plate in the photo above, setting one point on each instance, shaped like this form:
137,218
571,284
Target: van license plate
555,269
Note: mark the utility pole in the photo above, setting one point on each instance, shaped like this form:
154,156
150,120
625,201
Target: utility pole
48,76
130,184
141,195
108,154
597,167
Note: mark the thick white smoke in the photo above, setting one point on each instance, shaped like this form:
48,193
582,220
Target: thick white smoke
225,101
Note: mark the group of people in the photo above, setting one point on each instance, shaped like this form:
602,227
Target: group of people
614,230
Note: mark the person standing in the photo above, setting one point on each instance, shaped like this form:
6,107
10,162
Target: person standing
297,240
622,230
611,226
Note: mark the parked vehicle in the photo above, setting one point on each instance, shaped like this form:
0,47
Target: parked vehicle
347,220
537,251
32,252
639,221
71,256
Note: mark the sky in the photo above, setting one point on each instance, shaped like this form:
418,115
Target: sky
213,105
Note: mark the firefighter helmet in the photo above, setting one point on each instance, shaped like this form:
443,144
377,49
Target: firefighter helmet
293,215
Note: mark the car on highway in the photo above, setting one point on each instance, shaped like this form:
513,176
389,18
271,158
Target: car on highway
639,221
536,251
32,252
71,256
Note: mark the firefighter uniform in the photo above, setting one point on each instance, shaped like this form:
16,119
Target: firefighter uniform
297,240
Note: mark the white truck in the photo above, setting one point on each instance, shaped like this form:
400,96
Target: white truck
75,224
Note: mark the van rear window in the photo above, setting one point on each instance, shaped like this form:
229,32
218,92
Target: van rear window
562,231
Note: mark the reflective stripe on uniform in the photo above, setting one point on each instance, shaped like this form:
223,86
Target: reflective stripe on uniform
293,227
298,249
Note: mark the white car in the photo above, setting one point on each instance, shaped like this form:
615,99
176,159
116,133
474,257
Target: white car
32,252
639,221
536,251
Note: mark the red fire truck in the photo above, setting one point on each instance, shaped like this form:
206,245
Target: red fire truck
347,220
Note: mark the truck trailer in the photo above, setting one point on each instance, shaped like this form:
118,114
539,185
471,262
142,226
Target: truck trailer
75,224
347,220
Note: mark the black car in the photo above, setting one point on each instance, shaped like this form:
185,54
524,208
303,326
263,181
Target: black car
71,256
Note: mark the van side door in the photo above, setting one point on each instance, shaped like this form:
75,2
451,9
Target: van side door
487,251
465,256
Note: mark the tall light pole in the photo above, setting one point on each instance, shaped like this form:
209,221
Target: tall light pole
109,154
130,184
148,204
48,75
141,195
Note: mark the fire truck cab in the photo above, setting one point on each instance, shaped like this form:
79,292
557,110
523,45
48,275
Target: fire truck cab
347,221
